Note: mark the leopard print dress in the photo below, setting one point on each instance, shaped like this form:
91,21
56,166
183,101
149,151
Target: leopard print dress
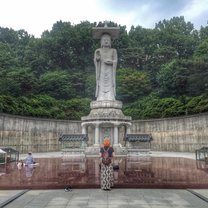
106,177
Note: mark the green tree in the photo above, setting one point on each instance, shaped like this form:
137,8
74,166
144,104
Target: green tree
8,36
202,51
203,33
8,104
161,72
132,84
90,86
7,57
70,45
198,104
18,82
76,108
36,55
178,34
197,79
141,47
172,79
57,84
154,107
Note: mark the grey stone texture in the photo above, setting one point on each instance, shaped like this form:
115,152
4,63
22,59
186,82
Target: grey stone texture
105,60
116,198
181,134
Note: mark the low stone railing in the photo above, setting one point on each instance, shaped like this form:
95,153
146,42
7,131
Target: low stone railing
73,144
137,144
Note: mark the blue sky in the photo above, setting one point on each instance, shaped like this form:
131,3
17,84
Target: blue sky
36,16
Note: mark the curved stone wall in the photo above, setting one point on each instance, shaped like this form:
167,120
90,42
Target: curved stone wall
25,134
185,133
34,134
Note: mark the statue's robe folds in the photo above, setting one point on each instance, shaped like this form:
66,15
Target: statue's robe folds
105,60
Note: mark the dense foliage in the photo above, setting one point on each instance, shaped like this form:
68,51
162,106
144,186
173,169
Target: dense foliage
162,72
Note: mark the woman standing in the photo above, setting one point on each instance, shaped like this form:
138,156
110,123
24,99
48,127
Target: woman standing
106,155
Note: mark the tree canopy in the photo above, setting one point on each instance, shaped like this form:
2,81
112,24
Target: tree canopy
162,72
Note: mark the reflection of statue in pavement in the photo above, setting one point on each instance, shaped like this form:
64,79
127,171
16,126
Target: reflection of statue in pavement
105,60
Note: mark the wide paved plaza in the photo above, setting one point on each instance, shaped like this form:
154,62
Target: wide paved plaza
96,198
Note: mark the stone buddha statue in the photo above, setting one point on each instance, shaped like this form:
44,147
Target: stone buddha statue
106,117
105,60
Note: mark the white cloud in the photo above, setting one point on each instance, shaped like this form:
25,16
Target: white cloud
194,10
35,16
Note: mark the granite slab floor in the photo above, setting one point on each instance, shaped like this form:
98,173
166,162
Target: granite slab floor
96,198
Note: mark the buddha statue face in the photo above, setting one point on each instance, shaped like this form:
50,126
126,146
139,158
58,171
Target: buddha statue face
105,41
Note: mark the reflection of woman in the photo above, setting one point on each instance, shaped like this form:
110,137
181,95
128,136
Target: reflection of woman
29,169
106,169
105,60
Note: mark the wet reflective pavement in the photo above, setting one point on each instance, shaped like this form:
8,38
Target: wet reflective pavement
82,172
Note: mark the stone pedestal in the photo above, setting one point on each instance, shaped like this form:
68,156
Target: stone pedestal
106,119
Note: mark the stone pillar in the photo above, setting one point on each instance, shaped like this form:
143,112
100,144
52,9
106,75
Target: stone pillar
115,134
128,129
97,133
84,129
